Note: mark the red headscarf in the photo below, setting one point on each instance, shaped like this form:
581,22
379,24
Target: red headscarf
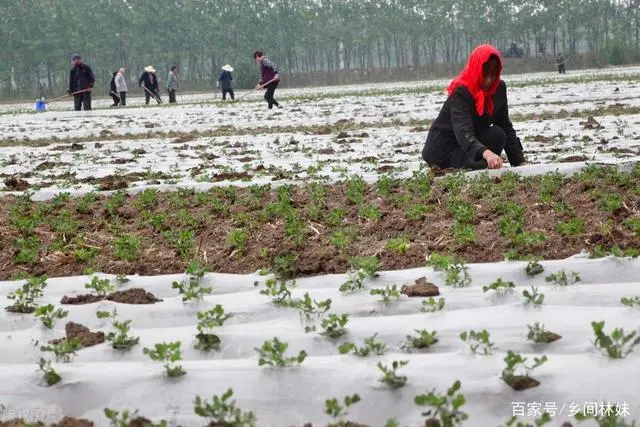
472,78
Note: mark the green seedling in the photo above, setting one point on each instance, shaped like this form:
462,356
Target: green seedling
223,411
423,339
279,291
208,320
545,418
479,342
100,286
400,245
455,271
273,352
361,269
561,278
533,297
631,301
335,410
122,279
168,354
332,327
500,286
372,347
539,335
51,377
431,305
24,298
390,376
311,308
126,418
612,416
516,373
191,288
387,294
120,338
617,345
64,350
48,315
445,410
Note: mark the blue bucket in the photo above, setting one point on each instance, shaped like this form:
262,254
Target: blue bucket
41,105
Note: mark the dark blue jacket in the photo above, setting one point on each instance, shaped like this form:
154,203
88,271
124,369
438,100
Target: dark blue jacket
225,80
144,78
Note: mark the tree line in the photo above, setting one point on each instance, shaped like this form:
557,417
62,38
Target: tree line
305,37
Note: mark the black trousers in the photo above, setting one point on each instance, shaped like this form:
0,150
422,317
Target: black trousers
116,100
493,138
123,98
271,89
147,96
561,69
82,101
172,96
227,91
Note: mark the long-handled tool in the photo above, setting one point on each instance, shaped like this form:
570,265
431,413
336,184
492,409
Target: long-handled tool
113,93
69,94
156,97
258,88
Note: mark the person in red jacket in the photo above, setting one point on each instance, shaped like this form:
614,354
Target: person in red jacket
473,127
269,76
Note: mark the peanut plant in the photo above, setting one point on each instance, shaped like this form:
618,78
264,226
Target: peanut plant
273,352
120,338
617,345
390,376
500,286
191,288
517,367
332,327
534,268
431,305
387,294
223,411
51,377
335,410
538,334
24,298
445,408
279,291
360,270
168,354
48,315
127,418
631,301
309,308
456,273
561,278
479,342
545,418
422,339
100,286
208,320
371,347
533,296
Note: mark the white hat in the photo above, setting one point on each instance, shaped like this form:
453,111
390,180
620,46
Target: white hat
150,69
228,68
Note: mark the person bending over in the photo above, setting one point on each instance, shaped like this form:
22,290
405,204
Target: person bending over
473,127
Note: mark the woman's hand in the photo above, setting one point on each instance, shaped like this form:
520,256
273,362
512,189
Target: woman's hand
493,160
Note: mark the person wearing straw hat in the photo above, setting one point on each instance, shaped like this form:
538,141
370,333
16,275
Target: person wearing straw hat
149,83
81,81
226,82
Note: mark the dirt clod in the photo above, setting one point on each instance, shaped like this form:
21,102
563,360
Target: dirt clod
81,299
140,422
591,123
73,422
521,382
551,337
82,334
421,288
133,296
16,184
76,147
432,422
111,182
572,159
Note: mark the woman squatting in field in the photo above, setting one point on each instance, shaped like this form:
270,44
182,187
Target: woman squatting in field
473,127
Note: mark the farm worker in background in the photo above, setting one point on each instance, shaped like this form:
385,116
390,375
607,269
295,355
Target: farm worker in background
121,87
473,126
81,79
560,64
149,83
226,82
268,77
113,90
172,84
